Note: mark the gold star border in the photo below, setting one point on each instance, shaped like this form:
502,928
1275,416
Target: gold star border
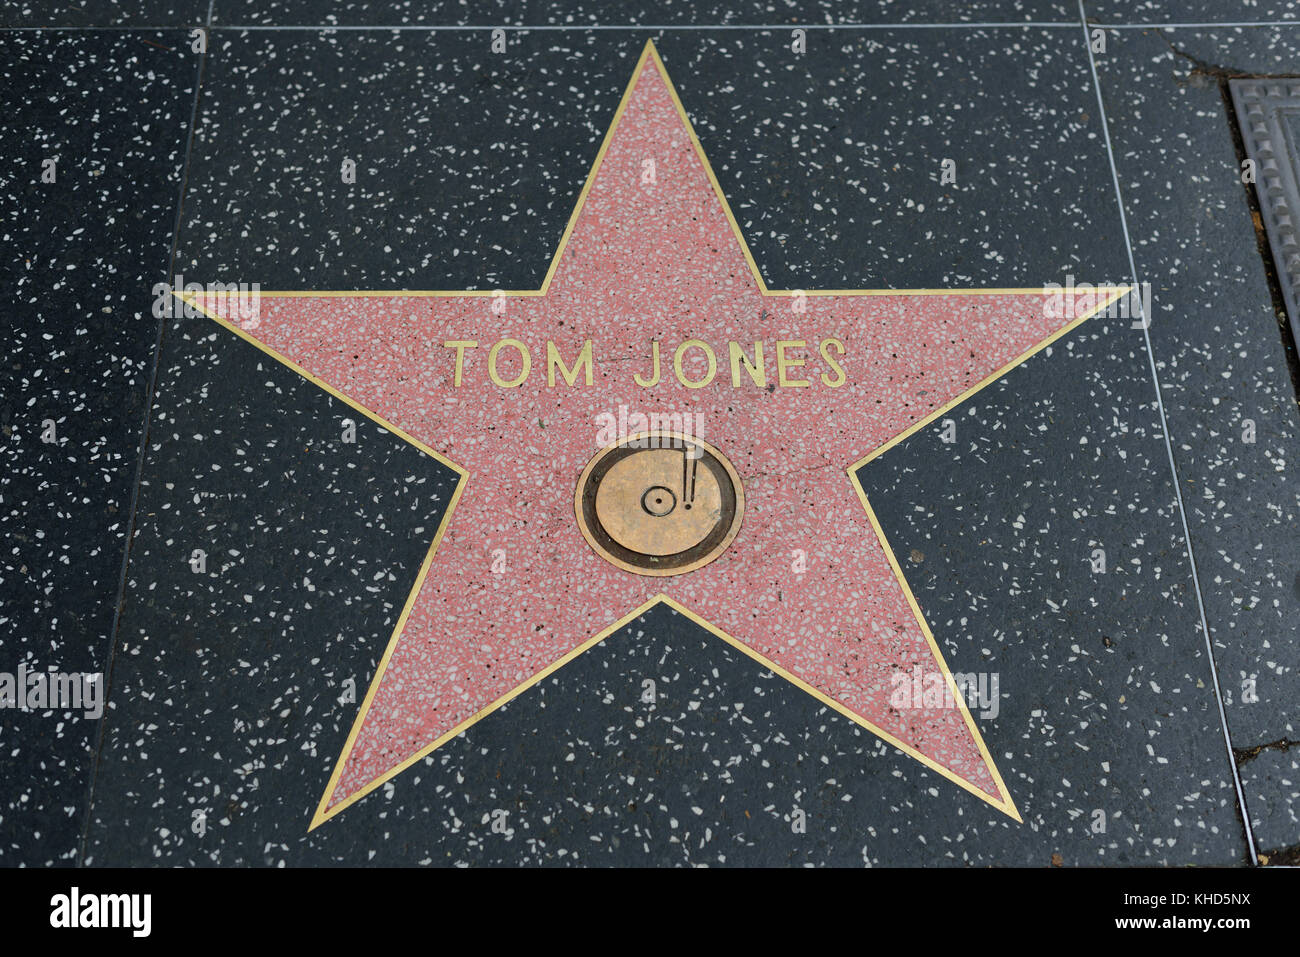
324,812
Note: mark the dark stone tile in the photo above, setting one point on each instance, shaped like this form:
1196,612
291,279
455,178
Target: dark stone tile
637,12
1272,779
832,162
104,13
465,175
445,203
1221,349
81,256
1189,11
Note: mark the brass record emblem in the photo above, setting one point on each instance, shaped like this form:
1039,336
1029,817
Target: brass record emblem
659,503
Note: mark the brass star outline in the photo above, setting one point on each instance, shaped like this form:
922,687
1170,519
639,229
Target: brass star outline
1106,296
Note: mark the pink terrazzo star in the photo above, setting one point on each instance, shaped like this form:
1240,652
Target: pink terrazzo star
655,257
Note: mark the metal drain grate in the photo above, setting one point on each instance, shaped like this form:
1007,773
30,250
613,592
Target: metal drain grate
1269,114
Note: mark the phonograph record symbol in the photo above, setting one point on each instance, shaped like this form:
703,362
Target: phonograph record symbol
660,503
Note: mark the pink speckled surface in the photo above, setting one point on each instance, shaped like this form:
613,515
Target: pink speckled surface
653,261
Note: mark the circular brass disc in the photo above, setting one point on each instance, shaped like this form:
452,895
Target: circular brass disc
659,503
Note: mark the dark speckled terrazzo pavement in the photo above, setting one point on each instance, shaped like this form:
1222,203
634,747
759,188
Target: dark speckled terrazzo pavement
80,256
647,12
1124,735
1222,354
543,117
